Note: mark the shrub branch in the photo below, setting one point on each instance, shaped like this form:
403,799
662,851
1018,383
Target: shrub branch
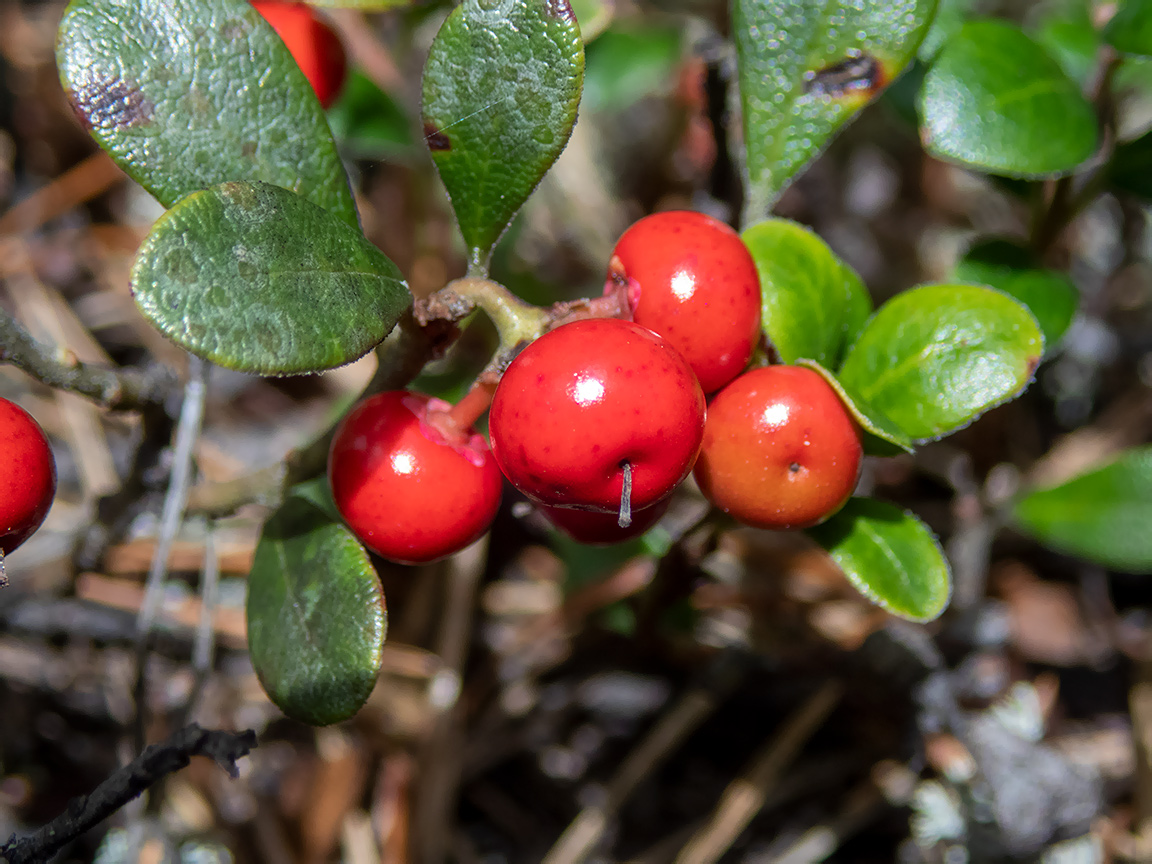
128,390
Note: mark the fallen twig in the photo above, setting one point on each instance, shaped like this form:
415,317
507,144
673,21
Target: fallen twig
155,763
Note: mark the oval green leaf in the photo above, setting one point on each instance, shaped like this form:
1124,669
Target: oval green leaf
882,437
946,23
1067,33
370,124
994,100
316,614
1049,295
805,68
934,358
255,278
628,63
1101,516
594,16
501,88
1130,30
890,556
186,94
813,305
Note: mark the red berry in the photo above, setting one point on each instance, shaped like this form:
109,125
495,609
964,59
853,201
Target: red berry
315,46
602,529
405,490
27,476
780,449
589,403
694,282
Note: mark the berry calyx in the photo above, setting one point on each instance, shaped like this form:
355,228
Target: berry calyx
590,402
780,449
314,45
27,477
692,280
603,529
409,492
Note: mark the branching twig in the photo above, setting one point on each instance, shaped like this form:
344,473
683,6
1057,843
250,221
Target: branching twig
124,390
155,763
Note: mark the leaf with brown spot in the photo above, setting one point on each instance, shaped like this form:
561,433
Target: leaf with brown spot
501,88
186,94
805,68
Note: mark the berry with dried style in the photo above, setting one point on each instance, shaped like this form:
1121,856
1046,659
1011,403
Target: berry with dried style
780,449
27,477
691,279
410,491
600,415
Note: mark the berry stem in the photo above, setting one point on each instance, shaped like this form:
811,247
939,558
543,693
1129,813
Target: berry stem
457,420
517,322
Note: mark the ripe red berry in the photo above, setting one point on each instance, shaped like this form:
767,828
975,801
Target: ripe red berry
694,282
404,489
603,529
591,403
780,449
315,46
27,476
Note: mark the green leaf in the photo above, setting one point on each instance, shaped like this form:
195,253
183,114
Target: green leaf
1068,34
369,123
316,615
501,88
882,437
594,16
1101,516
628,63
934,358
950,17
186,94
255,278
994,100
805,68
1131,167
1130,30
813,305
1049,295
890,556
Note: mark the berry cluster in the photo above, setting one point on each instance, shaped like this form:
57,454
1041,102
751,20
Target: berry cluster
599,420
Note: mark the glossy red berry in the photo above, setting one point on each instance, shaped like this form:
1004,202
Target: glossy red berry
692,280
603,529
590,403
315,46
780,449
405,490
27,475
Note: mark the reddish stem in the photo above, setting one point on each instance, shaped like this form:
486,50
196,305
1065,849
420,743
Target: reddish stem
461,417
612,304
